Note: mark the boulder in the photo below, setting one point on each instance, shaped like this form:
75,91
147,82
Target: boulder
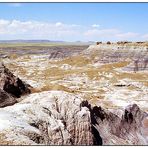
108,43
6,99
98,43
127,129
12,84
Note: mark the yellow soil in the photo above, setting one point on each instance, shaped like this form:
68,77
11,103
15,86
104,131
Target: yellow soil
75,61
4,141
50,86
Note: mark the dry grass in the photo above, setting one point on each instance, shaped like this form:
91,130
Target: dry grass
49,86
83,65
75,61
132,87
145,83
15,45
115,65
13,56
4,141
134,76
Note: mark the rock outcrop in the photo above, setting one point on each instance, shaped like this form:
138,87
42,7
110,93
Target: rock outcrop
60,118
136,53
11,87
6,99
127,129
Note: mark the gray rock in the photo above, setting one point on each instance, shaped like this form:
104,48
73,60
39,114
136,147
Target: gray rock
6,99
60,118
12,84
11,87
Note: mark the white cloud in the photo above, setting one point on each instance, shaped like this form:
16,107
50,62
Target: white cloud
145,36
95,25
16,29
127,35
98,32
36,29
112,35
4,22
15,4
101,34
58,24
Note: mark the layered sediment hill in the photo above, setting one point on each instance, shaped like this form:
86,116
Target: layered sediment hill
136,53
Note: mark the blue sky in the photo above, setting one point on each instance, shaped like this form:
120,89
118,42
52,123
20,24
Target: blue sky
74,21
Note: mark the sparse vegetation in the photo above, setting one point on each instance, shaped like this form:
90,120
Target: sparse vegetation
4,141
81,76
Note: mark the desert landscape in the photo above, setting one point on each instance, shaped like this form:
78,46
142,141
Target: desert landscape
74,94
73,73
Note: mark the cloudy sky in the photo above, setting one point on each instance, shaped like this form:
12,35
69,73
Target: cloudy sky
74,21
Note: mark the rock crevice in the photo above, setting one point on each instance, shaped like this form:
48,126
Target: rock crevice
11,87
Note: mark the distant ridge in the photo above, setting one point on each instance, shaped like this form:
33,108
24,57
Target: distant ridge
28,41
46,41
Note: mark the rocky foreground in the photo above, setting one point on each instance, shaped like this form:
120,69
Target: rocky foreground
57,108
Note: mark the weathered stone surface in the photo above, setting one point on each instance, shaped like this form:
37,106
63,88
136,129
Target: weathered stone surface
125,130
12,84
51,118
11,87
121,51
6,99
60,118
